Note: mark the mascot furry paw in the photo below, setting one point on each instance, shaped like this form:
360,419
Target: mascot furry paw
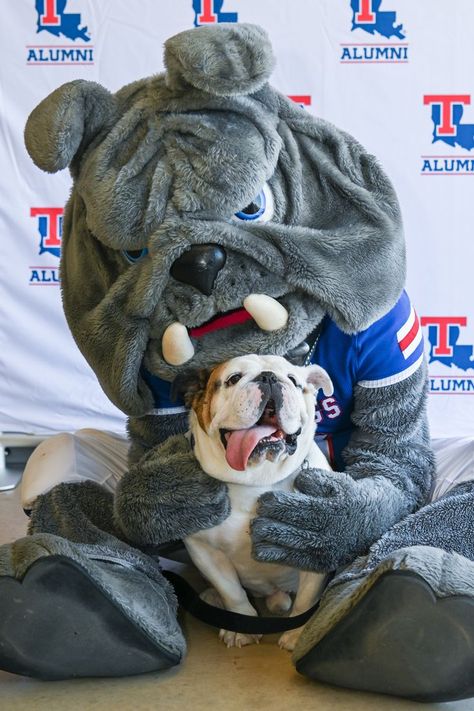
211,217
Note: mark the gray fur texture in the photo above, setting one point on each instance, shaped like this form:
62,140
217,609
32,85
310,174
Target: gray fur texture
166,496
436,543
69,119
148,432
232,62
446,524
142,595
76,521
334,517
164,164
448,574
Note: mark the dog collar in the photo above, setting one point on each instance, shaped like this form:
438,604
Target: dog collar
304,351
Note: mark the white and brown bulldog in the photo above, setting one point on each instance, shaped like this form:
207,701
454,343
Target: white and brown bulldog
252,425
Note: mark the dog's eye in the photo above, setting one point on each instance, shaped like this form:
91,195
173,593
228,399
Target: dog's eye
233,379
134,255
294,381
259,210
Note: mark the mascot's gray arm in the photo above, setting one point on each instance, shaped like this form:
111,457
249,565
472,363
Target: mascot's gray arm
166,496
335,516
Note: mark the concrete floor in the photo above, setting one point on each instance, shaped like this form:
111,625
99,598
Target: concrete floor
211,677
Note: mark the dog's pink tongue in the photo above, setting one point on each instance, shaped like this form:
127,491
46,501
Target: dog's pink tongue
241,443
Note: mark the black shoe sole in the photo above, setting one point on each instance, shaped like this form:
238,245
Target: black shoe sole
57,624
401,640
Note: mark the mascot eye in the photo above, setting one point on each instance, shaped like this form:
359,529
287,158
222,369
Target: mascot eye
259,210
294,381
233,379
134,255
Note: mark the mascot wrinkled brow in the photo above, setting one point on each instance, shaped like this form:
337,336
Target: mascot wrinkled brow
211,218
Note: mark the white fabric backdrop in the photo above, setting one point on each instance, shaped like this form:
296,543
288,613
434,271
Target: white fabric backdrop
370,66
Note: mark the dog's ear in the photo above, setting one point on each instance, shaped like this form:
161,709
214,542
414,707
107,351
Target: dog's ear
319,379
190,384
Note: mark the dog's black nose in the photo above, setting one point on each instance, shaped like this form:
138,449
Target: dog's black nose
272,394
199,266
266,376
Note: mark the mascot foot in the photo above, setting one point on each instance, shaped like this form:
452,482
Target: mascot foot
405,629
64,618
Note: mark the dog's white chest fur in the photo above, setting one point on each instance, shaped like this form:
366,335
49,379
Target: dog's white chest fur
232,538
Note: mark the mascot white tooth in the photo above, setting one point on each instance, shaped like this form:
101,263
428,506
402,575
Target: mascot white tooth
194,191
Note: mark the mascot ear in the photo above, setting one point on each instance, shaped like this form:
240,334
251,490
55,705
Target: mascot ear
65,122
227,60
317,376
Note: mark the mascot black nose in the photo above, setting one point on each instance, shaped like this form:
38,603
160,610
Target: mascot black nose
199,266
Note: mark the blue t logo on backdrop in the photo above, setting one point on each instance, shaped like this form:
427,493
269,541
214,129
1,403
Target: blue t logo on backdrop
444,333
207,12
50,228
53,19
446,113
368,17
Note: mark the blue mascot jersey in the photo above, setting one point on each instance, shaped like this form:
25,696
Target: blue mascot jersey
387,352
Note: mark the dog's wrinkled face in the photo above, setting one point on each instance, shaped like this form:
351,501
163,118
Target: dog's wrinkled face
252,418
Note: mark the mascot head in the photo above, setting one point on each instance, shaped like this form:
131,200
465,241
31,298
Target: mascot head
210,216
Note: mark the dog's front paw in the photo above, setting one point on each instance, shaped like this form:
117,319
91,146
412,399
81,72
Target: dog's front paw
238,639
212,597
289,639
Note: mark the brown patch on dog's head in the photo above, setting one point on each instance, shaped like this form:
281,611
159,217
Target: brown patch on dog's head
197,388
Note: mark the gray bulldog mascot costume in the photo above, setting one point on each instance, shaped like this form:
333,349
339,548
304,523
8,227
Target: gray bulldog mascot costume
196,192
